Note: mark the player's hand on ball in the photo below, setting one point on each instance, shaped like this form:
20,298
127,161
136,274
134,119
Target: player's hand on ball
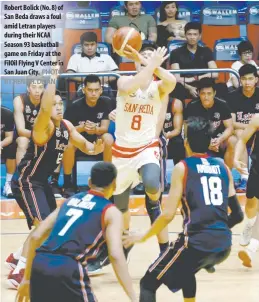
130,238
241,167
132,54
23,294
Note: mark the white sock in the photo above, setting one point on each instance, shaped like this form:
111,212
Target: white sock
18,253
245,176
21,264
253,245
251,221
9,177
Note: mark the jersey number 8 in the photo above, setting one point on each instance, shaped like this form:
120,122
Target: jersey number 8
136,122
212,190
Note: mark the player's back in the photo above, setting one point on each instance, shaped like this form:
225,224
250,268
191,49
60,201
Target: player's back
79,230
205,204
137,116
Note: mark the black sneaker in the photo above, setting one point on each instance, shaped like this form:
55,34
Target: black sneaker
210,269
69,192
55,188
94,268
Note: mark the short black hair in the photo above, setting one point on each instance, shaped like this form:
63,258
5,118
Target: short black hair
91,78
163,16
39,80
199,133
246,69
148,46
206,83
88,36
244,46
103,174
192,25
126,2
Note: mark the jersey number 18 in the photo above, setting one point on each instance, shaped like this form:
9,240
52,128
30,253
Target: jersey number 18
212,190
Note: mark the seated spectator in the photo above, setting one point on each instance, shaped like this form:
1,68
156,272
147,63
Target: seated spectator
145,24
26,108
173,130
217,111
90,60
89,115
193,56
169,28
245,51
7,148
244,104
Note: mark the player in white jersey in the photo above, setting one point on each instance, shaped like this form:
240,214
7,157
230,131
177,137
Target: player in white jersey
136,150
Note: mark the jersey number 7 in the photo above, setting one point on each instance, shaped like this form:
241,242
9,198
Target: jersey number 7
74,215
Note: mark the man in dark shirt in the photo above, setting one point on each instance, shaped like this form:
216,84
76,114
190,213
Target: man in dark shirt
218,112
244,104
89,115
193,56
8,148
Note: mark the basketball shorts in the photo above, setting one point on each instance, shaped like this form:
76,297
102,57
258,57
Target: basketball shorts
9,152
252,189
35,199
128,161
174,266
56,277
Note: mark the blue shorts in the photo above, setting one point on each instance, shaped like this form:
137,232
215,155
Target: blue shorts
56,277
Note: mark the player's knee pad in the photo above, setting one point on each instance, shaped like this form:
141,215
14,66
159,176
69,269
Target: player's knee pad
151,184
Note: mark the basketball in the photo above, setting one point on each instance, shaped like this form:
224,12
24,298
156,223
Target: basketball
126,35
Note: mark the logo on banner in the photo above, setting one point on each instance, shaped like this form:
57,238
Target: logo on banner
219,12
254,10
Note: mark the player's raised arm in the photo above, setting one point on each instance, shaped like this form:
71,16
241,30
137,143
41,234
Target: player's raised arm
251,128
81,143
19,118
39,235
43,126
114,228
127,85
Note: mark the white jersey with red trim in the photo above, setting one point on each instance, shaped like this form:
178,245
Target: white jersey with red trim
137,116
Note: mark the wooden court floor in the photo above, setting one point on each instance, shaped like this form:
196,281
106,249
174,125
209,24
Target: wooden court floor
230,283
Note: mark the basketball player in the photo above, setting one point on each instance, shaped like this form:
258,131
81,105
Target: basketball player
251,229
26,108
205,187
136,150
74,234
50,137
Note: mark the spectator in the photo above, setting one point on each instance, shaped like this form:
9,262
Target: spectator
7,148
244,103
170,28
193,56
145,24
173,130
90,60
245,51
89,115
26,108
217,111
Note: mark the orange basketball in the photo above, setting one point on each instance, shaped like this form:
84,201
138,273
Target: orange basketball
126,35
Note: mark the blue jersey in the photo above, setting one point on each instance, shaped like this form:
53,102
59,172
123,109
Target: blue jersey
205,204
79,230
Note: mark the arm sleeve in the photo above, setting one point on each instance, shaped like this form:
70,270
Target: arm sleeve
113,23
10,122
237,214
208,55
72,64
174,58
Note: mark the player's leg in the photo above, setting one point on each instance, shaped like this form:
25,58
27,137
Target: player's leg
150,174
9,154
108,142
122,203
54,183
68,164
22,145
230,151
35,204
251,206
